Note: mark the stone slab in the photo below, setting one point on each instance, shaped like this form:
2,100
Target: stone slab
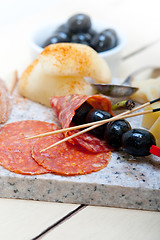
126,182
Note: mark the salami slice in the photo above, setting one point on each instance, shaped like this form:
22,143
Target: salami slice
66,159
15,151
65,108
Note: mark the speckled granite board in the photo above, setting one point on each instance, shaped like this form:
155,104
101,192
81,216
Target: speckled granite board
126,182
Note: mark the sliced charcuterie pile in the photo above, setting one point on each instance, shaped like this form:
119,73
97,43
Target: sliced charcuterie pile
66,159
65,108
23,156
82,155
15,151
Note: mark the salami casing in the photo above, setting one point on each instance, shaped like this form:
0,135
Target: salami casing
66,159
65,108
15,150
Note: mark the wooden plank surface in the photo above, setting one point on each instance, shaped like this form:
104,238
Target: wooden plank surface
147,57
21,219
108,223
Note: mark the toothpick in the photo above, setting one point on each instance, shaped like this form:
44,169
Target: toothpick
101,123
92,123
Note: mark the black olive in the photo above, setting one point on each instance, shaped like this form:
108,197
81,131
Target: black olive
103,41
78,29
114,131
112,32
92,32
81,112
79,23
58,37
98,115
138,142
83,38
63,28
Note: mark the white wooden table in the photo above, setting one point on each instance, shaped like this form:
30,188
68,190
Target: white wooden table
26,219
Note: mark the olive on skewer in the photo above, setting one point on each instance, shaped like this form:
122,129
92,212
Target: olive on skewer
98,115
86,113
81,112
118,134
138,142
114,131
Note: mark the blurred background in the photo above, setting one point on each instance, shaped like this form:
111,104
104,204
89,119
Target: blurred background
18,17
15,10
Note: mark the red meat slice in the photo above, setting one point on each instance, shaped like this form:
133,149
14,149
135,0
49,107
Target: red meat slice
66,159
23,156
15,151
65,108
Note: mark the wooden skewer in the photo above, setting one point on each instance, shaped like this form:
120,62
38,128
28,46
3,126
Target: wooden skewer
102,122
92,123
71,128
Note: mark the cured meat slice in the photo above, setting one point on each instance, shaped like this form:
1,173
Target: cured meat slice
5,103
15,151
65,108
66,159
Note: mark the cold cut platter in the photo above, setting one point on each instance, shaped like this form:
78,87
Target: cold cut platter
86,169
